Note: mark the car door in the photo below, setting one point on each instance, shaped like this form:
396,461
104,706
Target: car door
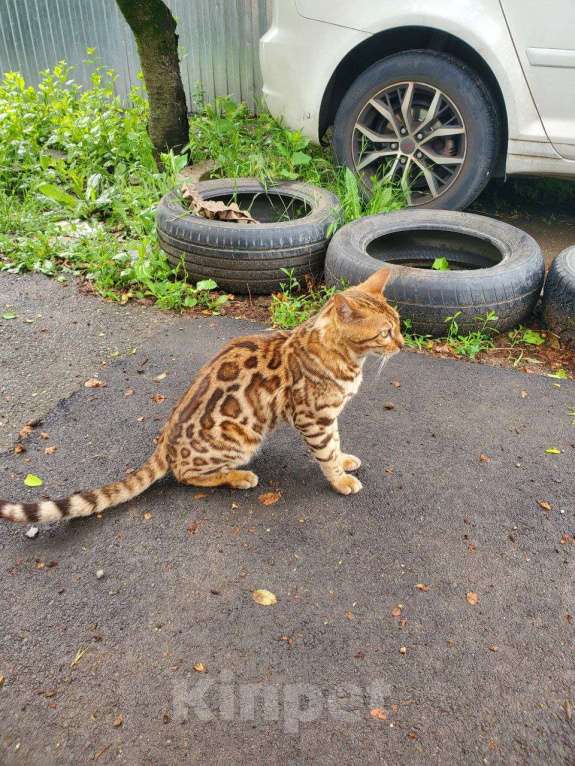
544,37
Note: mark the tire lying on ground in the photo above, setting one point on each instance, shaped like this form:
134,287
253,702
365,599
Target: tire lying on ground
559,296
292,233
492,266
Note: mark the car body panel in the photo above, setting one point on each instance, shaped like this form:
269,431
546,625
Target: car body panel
544,36
299,55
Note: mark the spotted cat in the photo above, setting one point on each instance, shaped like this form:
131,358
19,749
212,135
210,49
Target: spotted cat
304,377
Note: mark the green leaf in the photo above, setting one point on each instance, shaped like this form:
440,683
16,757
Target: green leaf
300,158
561,374
440,264
206,284
58,195
552,451
532,337
8,315
33,481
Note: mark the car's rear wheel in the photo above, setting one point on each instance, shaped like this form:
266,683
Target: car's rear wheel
423,120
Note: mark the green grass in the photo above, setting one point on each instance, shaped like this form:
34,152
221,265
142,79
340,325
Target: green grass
461,344
294,304
79,186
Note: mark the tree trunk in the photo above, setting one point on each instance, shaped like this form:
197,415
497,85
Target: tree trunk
154,28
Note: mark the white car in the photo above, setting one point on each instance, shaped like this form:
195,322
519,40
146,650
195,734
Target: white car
439,96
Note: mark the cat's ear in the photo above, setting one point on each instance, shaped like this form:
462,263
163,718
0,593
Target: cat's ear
376,283
344,309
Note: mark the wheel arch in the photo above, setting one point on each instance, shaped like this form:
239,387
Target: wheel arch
401,39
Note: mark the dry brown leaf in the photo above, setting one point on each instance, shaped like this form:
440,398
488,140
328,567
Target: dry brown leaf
567,706
147,515
25,430
544,504
161,376
44,435
493,648
524,394
200,495
396,383
422,586
491,744
396,611
269,498
94,383
212,209
158,398
50,450
19,448
118,721
2,680
484,458
378,713
472,598
349,615
193,528
129,392
264,597
199,667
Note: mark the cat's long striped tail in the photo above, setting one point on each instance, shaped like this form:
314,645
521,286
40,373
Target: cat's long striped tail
92,501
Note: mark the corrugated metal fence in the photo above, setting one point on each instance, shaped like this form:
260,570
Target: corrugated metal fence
218,42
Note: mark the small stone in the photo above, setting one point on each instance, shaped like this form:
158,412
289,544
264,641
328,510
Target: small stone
32,532
99,574
403,650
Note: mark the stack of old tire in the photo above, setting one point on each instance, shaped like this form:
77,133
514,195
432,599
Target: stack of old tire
559,296
294,224
493,268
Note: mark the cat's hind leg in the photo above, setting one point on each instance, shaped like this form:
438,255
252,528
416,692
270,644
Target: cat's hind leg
349,462
230,478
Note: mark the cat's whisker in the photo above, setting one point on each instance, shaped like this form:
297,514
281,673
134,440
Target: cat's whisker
382,365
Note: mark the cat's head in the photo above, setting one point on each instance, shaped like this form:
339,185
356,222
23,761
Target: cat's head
365,319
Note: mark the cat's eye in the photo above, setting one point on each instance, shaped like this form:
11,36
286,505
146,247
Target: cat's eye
386,332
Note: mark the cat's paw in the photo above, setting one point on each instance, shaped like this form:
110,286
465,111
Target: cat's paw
244,480
347,485
350,462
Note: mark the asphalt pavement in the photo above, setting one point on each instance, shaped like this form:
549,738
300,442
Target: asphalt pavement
427,620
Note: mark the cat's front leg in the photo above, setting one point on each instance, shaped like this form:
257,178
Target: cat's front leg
347,461
323,440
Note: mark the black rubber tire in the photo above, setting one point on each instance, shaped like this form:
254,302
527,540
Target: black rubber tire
510,288
462,85
559,296
248,258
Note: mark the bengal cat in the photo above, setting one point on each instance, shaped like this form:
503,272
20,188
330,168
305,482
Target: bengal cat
304,377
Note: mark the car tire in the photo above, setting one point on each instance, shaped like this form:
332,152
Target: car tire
460,85
503,266
559,296
249,258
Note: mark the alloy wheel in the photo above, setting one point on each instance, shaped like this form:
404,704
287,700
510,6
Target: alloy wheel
412,134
